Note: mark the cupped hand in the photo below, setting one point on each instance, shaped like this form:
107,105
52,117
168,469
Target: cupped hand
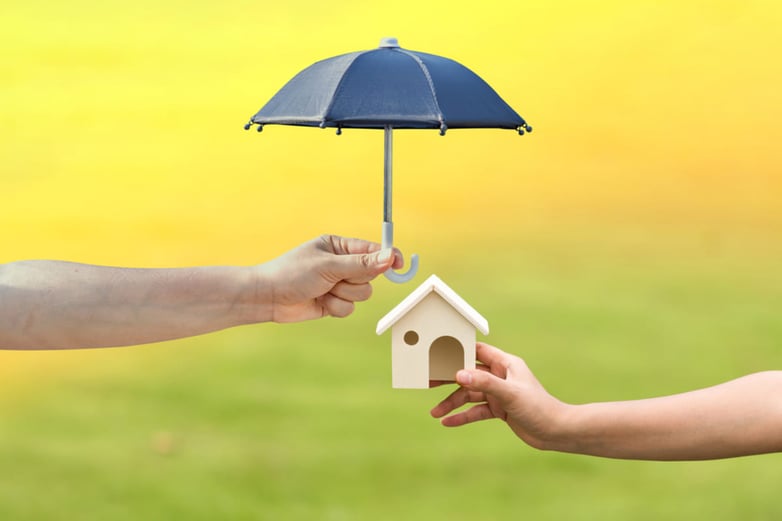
503,387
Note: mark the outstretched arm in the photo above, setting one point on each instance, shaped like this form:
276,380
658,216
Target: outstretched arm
54,304
736,418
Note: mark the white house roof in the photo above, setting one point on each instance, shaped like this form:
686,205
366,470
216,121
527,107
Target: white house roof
433,283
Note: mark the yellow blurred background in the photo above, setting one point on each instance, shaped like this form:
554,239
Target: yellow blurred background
119,122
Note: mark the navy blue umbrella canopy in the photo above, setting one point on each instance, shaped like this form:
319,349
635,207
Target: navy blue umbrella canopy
389,88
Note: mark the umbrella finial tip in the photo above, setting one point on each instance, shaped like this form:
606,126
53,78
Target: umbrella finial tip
389,42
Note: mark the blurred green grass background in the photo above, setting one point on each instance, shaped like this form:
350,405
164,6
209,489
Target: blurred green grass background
300,422
629,247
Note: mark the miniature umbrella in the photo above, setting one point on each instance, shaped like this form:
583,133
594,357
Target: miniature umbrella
387,88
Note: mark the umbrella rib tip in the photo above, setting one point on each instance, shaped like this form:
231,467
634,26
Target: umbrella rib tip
524,127
250,124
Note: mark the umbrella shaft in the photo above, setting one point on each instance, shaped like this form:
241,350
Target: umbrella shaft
387,173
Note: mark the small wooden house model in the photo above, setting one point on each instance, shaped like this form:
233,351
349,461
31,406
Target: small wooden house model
432,335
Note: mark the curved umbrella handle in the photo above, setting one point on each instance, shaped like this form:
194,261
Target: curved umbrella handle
388,242
404,277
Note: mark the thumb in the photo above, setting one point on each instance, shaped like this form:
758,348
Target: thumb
486,383
363,267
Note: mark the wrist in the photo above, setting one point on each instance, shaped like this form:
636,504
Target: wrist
583,430
260,292
564,428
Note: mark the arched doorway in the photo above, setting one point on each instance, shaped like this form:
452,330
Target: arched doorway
446,357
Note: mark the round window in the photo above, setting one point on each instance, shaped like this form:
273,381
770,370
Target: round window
411,338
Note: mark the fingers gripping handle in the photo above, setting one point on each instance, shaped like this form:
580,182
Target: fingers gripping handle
388,242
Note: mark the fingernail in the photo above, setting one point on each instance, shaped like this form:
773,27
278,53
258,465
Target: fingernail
464,377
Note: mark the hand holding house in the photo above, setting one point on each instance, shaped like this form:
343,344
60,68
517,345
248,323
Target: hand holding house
432,335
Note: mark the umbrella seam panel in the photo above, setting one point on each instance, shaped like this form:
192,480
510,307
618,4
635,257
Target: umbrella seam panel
428,77
324,116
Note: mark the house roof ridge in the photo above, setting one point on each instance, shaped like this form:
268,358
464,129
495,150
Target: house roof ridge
436,284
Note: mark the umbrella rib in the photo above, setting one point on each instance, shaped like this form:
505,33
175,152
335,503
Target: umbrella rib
428,77
339,86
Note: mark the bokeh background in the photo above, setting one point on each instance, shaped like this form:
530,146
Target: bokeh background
628,247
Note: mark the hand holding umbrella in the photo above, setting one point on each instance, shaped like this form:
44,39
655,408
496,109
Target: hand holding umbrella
386,88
